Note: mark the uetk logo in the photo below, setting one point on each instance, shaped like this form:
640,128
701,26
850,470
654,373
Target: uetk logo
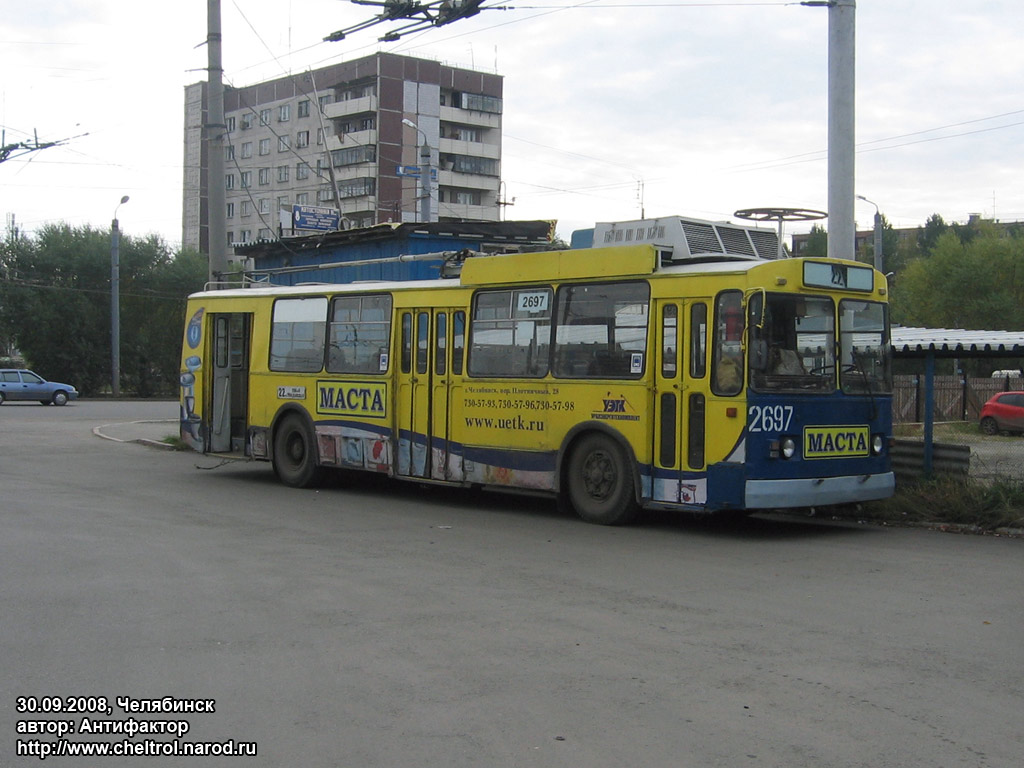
615,409
615,406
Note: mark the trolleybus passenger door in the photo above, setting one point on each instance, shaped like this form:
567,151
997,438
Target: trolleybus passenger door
230,388
449,325
695,376
414,390
679,401
455,469
668,402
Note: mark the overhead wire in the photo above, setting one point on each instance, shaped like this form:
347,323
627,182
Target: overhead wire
414,43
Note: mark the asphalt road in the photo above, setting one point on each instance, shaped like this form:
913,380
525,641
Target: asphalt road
386,624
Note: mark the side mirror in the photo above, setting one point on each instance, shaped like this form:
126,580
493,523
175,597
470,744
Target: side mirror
759,355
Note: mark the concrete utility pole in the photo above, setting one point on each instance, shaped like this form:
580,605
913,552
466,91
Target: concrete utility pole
213,134
327,154
425,179
425,168
841,146
115,303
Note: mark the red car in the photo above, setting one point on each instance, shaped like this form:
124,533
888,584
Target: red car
1003,413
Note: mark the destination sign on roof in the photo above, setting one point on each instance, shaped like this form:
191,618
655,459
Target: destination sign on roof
316,218
834,275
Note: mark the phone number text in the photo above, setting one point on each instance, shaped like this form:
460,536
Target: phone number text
518,404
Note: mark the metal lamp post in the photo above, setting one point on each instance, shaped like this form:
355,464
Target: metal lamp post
424,171
115,304
878,233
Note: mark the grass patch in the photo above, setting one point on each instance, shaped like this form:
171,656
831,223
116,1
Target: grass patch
175,442
981,504
944,431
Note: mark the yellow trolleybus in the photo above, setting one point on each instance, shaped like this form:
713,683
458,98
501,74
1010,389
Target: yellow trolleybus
612,377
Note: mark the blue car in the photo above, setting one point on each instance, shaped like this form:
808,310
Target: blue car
20,384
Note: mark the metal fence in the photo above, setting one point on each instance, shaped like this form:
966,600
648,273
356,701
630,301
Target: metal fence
956,412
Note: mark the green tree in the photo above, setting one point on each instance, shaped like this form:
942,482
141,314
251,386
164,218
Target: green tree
817,243
155,308
976,285
55,304
928,235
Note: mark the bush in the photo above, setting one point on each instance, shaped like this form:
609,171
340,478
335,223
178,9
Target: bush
981,504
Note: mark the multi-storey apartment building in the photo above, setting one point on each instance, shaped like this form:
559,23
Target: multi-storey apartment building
340,137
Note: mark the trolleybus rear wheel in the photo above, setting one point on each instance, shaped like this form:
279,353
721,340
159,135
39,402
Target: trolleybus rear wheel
295,453
600,482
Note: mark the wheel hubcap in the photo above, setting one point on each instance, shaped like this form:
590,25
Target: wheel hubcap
598,475
296,449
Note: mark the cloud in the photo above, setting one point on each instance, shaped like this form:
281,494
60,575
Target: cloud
707,109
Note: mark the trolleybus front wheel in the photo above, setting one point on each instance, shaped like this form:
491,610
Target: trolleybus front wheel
295,453
600,482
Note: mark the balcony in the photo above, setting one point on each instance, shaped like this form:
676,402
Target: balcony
352,139
366,170
468,181
352,107
363,204
469,117
469,212
474,148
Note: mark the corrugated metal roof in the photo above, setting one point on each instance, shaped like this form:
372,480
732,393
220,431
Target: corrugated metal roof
491,232
955,342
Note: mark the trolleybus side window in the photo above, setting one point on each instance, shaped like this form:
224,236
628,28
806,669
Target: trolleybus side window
458,341
360,333
441,344
221,351
727,351
698,340
406,352
669,340
511,333
297,338
422,340
602,330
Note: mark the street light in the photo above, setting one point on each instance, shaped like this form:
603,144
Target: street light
878,233
424,171
115,303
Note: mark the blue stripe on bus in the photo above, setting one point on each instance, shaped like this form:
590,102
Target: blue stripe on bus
528,461
374,429
661,473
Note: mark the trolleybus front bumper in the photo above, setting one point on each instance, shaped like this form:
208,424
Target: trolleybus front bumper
817,491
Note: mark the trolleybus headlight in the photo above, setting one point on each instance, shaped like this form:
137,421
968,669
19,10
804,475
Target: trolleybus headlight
877,443
788,447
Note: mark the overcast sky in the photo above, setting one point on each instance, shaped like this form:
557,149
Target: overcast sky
690,108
